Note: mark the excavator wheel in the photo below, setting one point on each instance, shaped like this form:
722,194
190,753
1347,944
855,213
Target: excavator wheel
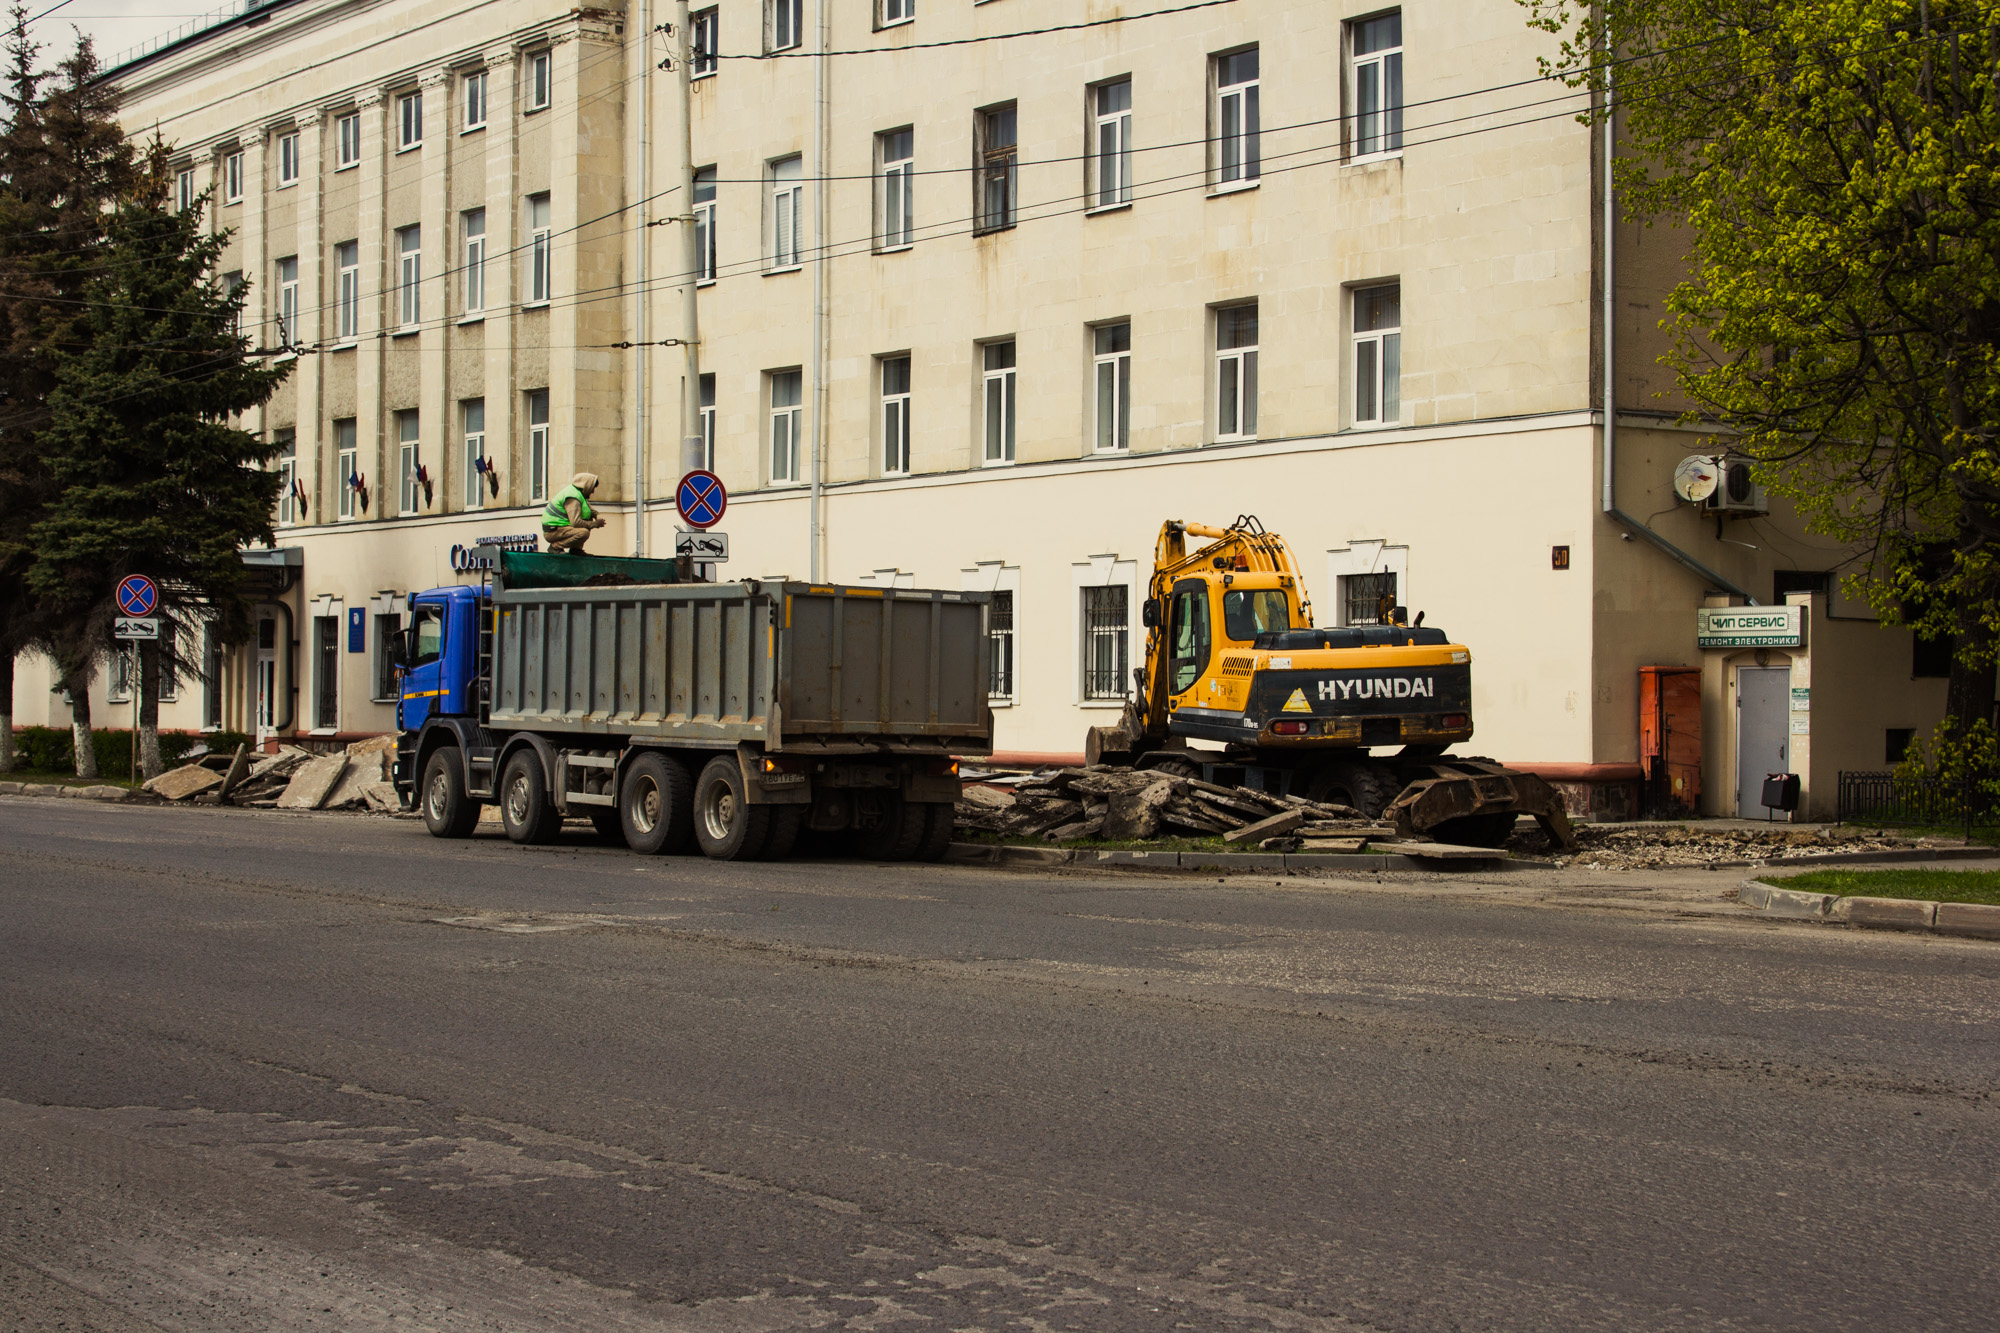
1173,765
1477,830
1362,785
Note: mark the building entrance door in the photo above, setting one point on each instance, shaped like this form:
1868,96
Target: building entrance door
1763,733
267,678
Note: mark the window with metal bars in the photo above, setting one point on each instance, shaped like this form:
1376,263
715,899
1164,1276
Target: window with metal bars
1000,645
326,695
1106,642
1365,599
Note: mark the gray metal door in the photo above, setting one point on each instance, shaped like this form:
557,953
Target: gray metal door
1763,734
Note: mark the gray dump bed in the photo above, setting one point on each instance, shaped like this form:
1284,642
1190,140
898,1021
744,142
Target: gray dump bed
782,664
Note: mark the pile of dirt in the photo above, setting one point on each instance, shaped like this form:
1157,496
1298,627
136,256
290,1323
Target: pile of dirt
1657,846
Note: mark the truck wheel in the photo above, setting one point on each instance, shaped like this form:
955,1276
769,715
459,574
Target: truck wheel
726,825
605,821
1362,785
779,839
896,835
940,819
656,805
525,811
448,811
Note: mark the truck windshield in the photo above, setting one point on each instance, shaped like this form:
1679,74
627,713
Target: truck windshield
1250,612
429,636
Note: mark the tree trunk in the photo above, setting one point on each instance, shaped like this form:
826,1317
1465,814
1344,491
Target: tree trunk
1969,692
149,710
6,712
77,682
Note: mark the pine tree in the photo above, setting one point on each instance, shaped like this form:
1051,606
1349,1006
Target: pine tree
150,476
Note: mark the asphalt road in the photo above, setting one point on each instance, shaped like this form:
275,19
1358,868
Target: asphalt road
290,1072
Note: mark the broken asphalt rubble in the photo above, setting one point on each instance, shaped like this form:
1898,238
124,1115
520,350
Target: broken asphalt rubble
356,778
1122,805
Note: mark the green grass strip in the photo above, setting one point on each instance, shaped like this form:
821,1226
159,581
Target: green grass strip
1938,886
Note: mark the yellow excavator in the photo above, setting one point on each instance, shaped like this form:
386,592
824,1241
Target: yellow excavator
1232,657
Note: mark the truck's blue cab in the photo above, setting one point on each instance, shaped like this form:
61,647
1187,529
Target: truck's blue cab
442,671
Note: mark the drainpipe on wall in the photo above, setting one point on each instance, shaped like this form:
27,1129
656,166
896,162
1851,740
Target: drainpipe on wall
1610,467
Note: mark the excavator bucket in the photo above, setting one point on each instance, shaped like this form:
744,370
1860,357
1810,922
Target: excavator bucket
1477,804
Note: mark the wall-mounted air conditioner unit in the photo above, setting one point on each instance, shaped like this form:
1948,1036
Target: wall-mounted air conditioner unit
1735,491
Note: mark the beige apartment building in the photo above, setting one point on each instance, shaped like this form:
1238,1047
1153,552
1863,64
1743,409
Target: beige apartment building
986,292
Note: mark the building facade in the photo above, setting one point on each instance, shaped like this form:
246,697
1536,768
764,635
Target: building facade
985,292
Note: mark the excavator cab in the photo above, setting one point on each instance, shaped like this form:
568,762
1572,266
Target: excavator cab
1215,609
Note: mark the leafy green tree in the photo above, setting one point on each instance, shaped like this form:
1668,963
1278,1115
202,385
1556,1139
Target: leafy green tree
150,476
1837,164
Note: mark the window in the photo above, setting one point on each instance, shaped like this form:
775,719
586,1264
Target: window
326,673
472,423
1113,348
1106,642
1896,742
541,277
122,673
347,138
407,463
427,643
897,11
409,121
1367,599
472,260
349,457
409,276
997,361
184,189
1187,636
895,414
787,193
996,160
347,291
704,225
1111,153
288,160
232,179
1000,645
473,101
1236,372
706,27
541,77
786,418
288,302
894,210
708,422
388,624
1378,84
1246,614
784,22
288,476
1236,118
1378,356
1930,659
232,287
538,444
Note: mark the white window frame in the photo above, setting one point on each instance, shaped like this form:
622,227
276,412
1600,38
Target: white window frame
288,161
288,301
347,455
1371,555
787,421
1115,367
895,13
785,207
472,101
472,429
410,121
347,291
998,402
1101,571
708,421
996,577
1382,72
541,258
1239,103
409,277
704,226
1110,155
784,24
996,169
541,80
347,142
895,415
895,204
409,456
472,267
287,439
232,178
538,444
184,191
1235,377
1379,348
707,25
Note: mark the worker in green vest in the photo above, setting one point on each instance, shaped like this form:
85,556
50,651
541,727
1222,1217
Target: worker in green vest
568,520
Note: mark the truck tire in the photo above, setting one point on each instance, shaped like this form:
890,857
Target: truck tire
1367,787
897,836
525,810
656,805
726,825
605,822
939,821
783,834
448,811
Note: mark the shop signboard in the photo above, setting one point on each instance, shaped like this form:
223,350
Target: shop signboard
1750,627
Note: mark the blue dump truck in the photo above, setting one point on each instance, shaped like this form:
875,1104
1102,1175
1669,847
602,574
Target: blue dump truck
676,714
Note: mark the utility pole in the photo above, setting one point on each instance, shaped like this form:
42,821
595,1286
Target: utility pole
642,442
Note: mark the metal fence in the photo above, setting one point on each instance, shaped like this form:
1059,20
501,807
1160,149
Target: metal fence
1885,798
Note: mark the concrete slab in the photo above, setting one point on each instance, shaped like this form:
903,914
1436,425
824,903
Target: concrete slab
1886,913
1774,901
11,788
1976,919
178,784
363,770
313,783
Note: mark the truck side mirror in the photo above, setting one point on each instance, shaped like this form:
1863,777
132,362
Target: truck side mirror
399,648
1149,614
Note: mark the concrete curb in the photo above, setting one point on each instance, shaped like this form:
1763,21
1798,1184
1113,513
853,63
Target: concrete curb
980,853
94,792
1971,920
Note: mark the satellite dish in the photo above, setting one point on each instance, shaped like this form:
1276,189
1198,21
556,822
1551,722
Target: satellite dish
1696,478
